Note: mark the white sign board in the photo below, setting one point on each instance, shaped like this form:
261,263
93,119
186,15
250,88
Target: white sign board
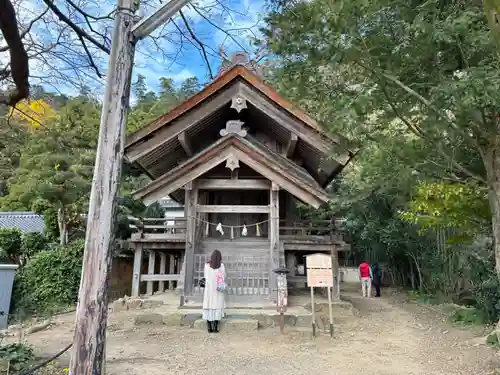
319,270
319,277
318,261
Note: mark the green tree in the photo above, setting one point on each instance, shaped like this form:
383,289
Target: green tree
56,166
432,66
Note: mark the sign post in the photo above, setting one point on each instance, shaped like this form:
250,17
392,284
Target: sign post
319,274
282,290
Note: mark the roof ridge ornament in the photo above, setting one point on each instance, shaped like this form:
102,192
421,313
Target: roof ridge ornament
234,127
239,58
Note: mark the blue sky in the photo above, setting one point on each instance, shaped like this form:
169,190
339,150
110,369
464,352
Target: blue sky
239,18
172,52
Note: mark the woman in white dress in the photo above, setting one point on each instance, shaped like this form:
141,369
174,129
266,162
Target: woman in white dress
213,300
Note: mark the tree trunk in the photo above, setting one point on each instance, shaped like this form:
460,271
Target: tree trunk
63,227
89,343
491,160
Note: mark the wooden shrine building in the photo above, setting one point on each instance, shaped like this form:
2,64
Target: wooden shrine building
238,157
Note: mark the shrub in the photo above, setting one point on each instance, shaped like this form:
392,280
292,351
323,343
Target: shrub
49,281
487,298
15,356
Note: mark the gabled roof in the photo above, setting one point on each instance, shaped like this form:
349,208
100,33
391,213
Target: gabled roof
225,79
195,123
260,158
26,222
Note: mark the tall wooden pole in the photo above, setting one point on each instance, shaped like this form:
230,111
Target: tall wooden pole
89,343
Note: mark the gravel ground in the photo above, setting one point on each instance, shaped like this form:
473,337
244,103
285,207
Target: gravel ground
388,338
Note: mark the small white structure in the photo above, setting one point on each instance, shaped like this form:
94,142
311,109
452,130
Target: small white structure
7,272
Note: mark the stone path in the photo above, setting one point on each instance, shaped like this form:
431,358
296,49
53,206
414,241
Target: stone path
388,338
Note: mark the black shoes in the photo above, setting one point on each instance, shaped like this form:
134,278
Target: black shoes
213,326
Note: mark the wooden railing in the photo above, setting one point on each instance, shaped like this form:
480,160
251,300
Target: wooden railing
142,226
307,228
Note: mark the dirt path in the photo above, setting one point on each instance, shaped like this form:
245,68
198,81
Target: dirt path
387,338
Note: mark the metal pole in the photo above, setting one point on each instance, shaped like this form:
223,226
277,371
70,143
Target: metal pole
89,343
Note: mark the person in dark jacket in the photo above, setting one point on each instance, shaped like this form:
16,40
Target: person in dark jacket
378,275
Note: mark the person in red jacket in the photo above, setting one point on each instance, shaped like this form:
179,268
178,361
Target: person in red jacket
365,275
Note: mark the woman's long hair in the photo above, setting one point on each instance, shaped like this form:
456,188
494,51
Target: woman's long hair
215,259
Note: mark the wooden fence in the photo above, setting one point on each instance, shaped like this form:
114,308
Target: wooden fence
246,275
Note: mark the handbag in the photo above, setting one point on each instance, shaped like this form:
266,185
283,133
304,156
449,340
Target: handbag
202,282
221,283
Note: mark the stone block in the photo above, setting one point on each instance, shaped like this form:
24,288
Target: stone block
240,325
304,321
149,319
188,320
173,319
231,325
265,321
290,319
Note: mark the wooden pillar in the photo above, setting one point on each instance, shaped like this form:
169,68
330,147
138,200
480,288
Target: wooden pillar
190,208
136,277
274,256
171,271
163,268
151,270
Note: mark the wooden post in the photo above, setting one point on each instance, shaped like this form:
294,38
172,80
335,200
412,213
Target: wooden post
151,271
191,202
330,310
89,342
273,236
163,268
136,278
313,312
171,270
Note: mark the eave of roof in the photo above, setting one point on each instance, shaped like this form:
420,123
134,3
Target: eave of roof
216,85
26,222
257,156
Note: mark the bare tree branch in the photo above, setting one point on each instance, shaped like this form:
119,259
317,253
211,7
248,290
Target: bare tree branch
202,46
78,30
19,64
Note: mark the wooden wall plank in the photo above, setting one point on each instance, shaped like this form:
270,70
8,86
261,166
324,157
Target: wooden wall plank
151,270
136,277
191,211
230,184
163,268
232,209
160,278
274,237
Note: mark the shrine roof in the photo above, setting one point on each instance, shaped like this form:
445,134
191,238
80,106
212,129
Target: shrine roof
237,93
247,150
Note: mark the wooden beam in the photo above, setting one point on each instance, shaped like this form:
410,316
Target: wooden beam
160,278
185,143
171,271
226,184
295,187
137,270
156,190
191,211
290,147
274,233
151,270
163,268
165,134
286,121
232,209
